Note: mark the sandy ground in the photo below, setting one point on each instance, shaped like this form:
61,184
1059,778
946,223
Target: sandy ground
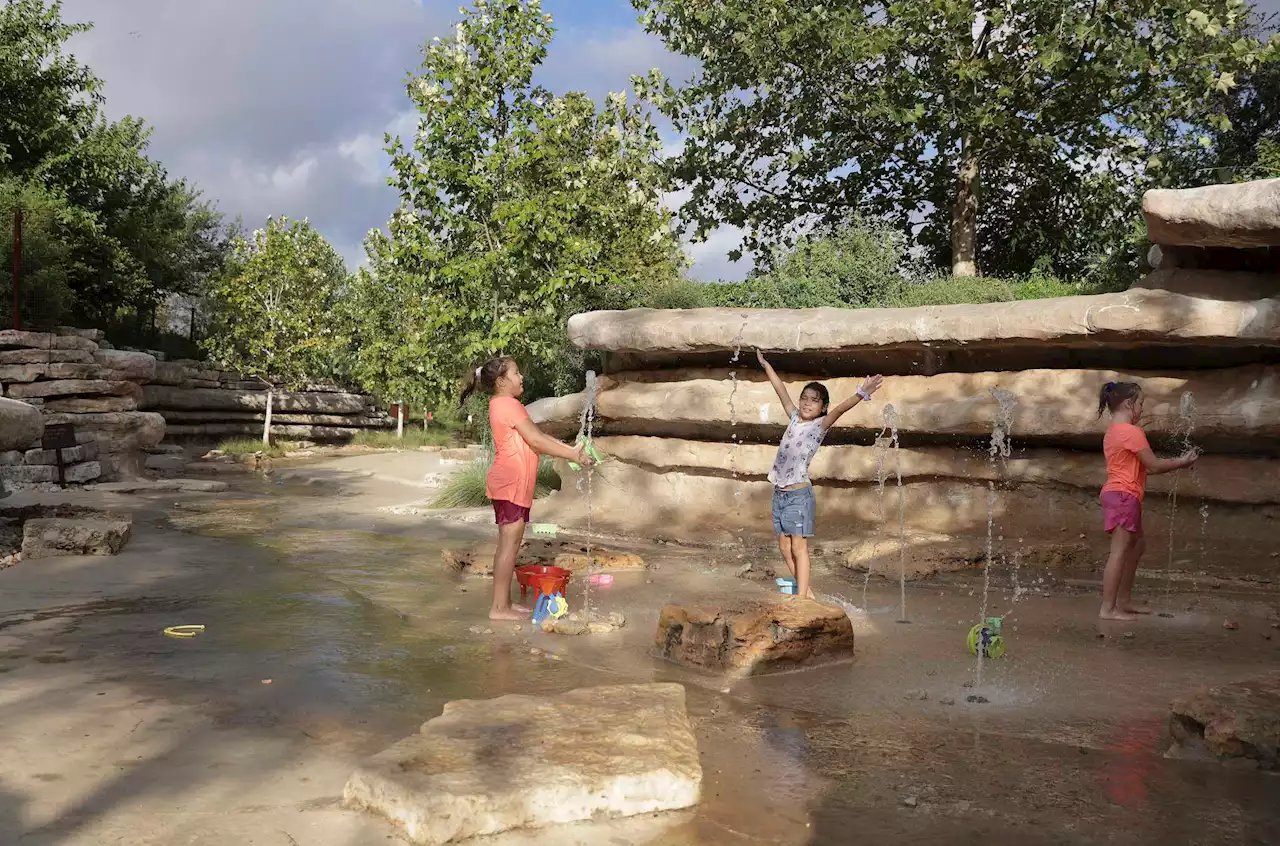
314,581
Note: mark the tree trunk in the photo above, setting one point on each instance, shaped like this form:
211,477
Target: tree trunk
964,214
266,424
400,420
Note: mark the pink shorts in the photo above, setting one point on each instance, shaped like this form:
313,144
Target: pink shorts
1121,510
505,512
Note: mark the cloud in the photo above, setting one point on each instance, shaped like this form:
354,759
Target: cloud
279,107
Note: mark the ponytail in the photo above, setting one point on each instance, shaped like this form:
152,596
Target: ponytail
485,376
1115,394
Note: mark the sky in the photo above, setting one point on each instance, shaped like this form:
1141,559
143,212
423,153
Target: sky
278,107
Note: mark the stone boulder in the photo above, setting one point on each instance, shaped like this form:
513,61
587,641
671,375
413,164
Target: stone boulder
20,425
212,399
489,766
170,373
116,432
754,635
72,387
134,366
49,531
90,405
600,560
44,356
1237,722
1245,214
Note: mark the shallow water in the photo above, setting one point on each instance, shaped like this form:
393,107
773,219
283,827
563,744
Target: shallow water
364,634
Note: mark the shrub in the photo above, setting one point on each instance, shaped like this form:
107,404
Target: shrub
465,489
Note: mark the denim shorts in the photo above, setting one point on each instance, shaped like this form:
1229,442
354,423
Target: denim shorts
794,512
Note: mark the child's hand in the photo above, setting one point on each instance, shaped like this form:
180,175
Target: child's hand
1190,457
871,384
584,458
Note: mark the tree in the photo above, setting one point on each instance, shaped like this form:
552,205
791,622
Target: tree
809,110
273,308
142,235
516,205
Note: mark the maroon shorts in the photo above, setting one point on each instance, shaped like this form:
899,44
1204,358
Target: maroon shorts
1121,510
505,512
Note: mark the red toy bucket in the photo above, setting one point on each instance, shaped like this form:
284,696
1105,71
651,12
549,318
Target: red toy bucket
543,580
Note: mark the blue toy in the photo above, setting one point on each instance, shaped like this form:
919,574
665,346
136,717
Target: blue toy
787,586
552,605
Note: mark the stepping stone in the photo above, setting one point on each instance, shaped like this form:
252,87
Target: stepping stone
1237,723
492,765
754,635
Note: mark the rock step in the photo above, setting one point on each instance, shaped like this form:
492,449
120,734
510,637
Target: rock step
1237,404
1218,478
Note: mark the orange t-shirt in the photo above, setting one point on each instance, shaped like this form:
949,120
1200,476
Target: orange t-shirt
514,473
1125,472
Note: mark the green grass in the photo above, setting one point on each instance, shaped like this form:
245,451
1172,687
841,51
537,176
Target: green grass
413,438
465,489
251,446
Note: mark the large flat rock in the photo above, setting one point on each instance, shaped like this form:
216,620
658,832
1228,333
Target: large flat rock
1245,214
754,635
1241,403
1137,315
488,766
116,432
1232,722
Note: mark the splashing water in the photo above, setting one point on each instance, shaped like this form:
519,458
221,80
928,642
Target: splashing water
891,421
585,424
1182,431
733,428
1000,449
881,451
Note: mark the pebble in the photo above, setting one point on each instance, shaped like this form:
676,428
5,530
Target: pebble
917,695
1165,614
1230,625
969,683
909,801
977,699
1129,635
947,700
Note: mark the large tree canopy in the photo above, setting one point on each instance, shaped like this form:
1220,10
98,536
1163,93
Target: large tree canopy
517,206
808,110
128,235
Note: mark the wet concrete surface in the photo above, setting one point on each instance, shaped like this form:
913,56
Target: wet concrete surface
114,733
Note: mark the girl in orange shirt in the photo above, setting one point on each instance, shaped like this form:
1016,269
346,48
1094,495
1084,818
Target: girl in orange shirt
517,442
1129,460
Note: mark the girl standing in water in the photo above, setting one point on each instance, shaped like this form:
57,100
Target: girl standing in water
1129,461
794,505
517,443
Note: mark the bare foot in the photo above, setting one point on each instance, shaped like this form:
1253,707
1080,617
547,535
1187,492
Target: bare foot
811,595
523,609
1116,614
1136,608
512,613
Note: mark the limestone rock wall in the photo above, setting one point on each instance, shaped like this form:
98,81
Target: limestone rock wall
122,404
691,425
